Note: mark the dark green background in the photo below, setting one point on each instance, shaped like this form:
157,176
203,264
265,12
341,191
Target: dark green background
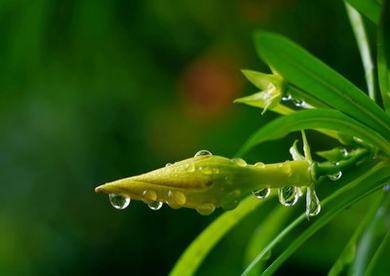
92,91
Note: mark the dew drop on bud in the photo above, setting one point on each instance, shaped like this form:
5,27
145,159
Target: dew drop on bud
313,206
203,153
259,165
155,205
263,193
240,162
119,202
335,176
288,195
168,164
206,209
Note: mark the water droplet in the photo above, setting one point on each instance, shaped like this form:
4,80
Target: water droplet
299,103
203,153
168,165
240,162
259,164
288,195
176,198
155,205
335,176
206,209
149,195
344,152
286,98
313,206
263,193
119,202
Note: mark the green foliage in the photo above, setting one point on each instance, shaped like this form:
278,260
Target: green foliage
338,106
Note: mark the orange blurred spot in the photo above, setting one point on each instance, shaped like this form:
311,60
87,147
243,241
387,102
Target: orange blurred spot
209,85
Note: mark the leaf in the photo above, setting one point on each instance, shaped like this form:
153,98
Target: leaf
349,252
372,237
193,256
373,180
383,49
369,8
299,68
315,119
363,44
264,234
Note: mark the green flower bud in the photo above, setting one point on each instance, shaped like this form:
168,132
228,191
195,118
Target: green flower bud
272,89
206,182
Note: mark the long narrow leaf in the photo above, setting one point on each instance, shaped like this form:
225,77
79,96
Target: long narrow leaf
311,75
370,8
348,253
364,47
372,237
315,119
383,49
264,233
193,256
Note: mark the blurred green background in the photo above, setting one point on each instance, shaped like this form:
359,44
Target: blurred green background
92,91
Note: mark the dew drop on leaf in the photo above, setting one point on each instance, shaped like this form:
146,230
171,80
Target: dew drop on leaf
335,176
119,202
288,195
203,153
263,193
286,98
155,205
313,206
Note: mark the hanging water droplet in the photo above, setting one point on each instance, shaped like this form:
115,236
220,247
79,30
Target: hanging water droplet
313,206
176,199
335,176
206,209
263,193
155,205
288,195
286,97
240,162
168,165
203,153
119,202
149,195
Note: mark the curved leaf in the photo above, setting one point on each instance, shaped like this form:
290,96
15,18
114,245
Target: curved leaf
193,256
383,49
369,8
303,70
315,119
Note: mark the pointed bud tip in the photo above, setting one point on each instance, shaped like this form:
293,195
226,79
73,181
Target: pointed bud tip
99,189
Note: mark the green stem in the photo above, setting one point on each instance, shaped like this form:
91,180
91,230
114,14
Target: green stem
359,31
327,168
